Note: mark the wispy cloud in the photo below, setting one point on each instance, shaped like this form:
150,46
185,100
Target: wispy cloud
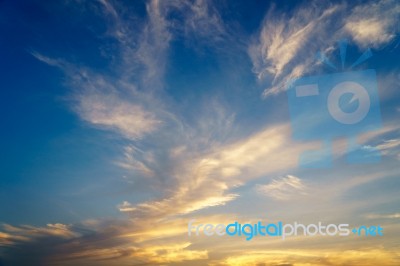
100,242
389,147
138,161
203,19
227,165
286,45
129,101
284,188
109,111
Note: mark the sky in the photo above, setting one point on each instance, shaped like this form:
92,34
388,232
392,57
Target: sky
124,120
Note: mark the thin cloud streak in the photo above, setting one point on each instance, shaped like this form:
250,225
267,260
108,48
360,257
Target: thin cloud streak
285,188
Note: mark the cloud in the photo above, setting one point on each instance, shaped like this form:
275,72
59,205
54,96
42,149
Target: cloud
374,24
284,188
100,242
199,175
286,45
109,111
130,102
203,21
157,230
48,60
60,230
202,179
173,253
138,161
153,45
383,216
20,244
367,257
109,103
125,207
389,147
280,49
129,99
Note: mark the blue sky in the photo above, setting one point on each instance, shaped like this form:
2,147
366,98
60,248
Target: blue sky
120,116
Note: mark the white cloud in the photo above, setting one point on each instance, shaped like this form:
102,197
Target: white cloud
138,161
284,188
285,47
125,207
48,60
374,24
389,147
199,179
130,102
111,112
368,30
